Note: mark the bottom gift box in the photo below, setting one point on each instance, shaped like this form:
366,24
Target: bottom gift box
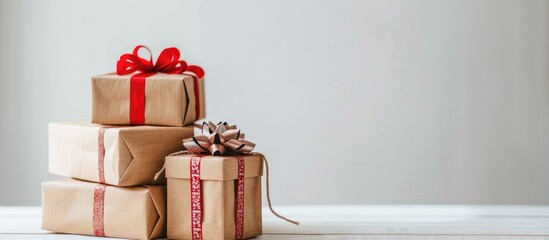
79,207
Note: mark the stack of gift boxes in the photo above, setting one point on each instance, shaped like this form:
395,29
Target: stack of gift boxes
142,123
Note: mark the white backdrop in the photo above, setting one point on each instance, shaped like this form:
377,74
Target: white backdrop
354,102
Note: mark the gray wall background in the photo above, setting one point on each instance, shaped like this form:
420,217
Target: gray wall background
354,102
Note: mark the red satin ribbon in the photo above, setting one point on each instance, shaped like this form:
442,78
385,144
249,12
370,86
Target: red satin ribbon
167,62
196,199
137,98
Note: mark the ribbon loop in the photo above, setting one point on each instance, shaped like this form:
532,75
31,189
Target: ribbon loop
218,139
168,61
136,53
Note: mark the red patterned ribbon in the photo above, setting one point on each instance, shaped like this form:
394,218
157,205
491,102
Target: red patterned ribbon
101,154
98,210
99,192
239,220
196,199
167,62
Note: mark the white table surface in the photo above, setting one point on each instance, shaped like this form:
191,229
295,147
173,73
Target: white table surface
441,222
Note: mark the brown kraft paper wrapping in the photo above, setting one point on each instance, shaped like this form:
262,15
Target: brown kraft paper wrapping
132,155
129,212
169,99
218,176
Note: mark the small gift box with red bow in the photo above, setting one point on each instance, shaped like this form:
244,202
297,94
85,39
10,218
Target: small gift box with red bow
141,92
214,189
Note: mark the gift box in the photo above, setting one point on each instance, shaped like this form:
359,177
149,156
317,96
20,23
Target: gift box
166,93
80,207
214,197
168,100
116,155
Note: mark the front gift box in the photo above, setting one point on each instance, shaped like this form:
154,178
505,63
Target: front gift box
79,207
165,93
217,196
214,197
116,155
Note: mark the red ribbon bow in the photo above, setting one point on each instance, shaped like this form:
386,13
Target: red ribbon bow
168,62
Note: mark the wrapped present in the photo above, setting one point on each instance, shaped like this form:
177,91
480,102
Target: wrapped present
121,156
218,195
80,207
167,93
226,190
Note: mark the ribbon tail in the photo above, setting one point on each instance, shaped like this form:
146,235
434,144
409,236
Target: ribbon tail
196,70
269,195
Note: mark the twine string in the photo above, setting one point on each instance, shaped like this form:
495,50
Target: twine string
157,175
269,194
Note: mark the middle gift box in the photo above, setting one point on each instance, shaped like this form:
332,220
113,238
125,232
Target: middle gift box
115,155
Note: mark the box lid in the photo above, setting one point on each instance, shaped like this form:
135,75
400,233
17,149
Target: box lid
214,167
